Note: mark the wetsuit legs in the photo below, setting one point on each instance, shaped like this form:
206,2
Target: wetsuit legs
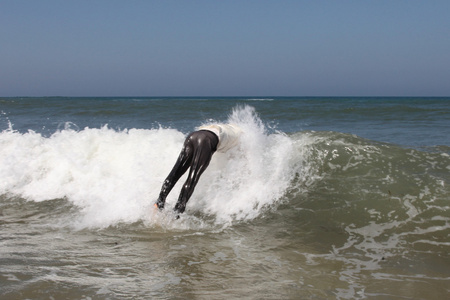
196,153
200,161
181,166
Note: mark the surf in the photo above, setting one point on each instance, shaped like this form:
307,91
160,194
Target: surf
381,203
114,176
358,211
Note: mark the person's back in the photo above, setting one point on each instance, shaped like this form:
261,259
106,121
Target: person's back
228,135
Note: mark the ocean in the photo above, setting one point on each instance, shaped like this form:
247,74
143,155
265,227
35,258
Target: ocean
324,198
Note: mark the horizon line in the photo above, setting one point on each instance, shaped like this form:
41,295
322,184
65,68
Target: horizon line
237,96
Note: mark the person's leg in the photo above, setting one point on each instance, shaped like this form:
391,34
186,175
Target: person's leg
205,144
182,164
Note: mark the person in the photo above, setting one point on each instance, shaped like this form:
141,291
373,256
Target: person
196,154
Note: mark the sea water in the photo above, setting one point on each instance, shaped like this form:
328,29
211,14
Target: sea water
324,198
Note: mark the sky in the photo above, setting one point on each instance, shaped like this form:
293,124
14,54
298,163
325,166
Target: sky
224,48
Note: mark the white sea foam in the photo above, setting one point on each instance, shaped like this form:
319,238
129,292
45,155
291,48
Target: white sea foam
109,175
115,176
238,184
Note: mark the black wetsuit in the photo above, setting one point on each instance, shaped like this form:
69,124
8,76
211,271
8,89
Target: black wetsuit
196,154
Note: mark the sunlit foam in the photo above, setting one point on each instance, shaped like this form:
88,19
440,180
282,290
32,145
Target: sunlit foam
115,176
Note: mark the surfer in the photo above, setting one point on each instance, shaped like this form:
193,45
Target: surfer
196,154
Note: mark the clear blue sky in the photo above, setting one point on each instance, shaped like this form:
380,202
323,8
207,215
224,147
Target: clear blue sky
224,48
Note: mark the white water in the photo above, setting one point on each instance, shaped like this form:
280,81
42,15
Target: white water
370,219
115,176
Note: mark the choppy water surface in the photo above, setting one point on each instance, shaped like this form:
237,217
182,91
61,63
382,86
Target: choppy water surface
301,210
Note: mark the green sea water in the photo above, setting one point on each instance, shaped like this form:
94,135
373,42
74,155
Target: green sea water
325,198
